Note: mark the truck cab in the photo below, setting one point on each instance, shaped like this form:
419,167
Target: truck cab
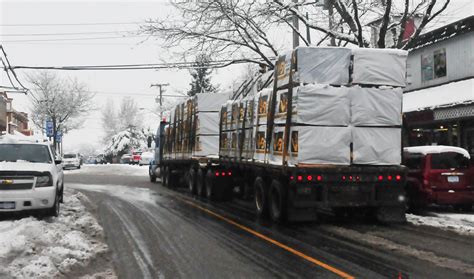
154,167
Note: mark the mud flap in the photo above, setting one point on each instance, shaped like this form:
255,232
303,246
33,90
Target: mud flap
391,214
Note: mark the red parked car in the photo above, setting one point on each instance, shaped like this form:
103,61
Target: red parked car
136,157
439,175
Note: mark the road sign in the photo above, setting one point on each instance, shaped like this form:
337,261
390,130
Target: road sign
58,136
49,128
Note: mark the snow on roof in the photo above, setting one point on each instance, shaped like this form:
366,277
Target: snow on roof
447,95
430,149
20,138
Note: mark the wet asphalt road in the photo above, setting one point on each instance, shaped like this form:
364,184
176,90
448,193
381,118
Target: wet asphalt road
155,232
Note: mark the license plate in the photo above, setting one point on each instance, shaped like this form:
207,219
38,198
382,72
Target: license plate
7,205
453,179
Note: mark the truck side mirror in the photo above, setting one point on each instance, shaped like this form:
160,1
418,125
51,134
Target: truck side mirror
149,140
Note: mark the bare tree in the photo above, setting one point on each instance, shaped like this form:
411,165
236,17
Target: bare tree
109,121
354,17
129,115
224,28
234,27
62,101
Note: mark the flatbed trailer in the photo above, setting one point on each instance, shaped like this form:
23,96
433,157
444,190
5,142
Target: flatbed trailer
289,192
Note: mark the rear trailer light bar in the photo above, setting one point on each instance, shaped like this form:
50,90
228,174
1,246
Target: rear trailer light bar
345,178
223,173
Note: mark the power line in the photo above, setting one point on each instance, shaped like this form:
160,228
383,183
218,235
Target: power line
169,65
74,24
67,34
75,39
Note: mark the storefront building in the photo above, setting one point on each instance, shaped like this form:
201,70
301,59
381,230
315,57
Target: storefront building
438,103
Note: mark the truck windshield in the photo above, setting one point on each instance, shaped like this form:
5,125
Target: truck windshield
449,160
32,153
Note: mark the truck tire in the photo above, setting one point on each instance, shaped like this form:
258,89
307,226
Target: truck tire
200,189
261,197
213,193
192,181
277,202
391,214
173,179
165,177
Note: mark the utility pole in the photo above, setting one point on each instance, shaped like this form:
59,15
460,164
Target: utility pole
296,38
160,86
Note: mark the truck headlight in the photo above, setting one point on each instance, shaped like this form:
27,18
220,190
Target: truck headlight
44,181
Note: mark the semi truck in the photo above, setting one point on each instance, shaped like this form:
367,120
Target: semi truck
322,132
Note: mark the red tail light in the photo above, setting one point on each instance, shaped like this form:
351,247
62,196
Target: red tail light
217,173
358,178
389,177
229,173
292,177
300,178
319,178
223,173
380,177
344,177
309,177
398,177
350,177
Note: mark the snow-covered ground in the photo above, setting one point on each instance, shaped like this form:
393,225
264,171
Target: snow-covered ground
111,169
52,247
462,223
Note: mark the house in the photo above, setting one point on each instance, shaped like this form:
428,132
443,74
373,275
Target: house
438,103
12,121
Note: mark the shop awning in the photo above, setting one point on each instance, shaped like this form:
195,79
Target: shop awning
447,95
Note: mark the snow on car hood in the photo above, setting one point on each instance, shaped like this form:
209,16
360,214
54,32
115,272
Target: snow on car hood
25,166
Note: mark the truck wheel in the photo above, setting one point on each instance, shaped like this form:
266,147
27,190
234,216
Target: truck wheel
277,202
173,179
212,193
200,183
165,176
192,181
261,197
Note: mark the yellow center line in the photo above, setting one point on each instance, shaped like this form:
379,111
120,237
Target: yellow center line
268,239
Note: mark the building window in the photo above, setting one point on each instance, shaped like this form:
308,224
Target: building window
433,65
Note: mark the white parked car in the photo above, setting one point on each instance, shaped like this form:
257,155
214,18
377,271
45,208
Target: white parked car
30,177
146,158
71,160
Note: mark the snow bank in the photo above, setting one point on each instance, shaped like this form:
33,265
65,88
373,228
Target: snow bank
32,248
111,169
461,223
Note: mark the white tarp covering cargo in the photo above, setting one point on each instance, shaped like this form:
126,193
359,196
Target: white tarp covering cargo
323,65
260,136
379,67
207,123
315,105
248,143
376,146
210,101
206,146
312,145
376,106
262,103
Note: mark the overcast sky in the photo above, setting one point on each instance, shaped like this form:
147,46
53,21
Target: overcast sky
19,18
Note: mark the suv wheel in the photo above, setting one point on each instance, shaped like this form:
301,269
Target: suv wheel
54,211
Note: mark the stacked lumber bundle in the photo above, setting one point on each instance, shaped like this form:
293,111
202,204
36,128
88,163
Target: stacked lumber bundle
193,130
340,115
345,109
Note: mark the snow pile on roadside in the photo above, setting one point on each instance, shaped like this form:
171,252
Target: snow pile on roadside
115,169
461,223
53,247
